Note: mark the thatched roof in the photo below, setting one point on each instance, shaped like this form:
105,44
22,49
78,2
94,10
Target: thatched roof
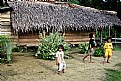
38,16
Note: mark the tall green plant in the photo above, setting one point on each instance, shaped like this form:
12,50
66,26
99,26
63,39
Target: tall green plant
6,47
99,51
49,45
84,48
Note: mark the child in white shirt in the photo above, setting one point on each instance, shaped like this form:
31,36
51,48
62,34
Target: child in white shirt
60,59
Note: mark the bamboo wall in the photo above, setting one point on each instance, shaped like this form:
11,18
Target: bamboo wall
5,26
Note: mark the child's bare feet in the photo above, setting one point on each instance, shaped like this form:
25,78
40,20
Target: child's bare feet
83,60
104,62
91,62
63,71
59,73
108,62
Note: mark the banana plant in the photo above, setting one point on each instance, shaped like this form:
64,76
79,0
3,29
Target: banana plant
6,47
83,48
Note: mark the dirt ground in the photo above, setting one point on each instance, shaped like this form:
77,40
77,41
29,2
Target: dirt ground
27,68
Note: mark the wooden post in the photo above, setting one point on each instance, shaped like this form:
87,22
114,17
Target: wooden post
44,33
0,29
115,36
109,31
101,36
64,34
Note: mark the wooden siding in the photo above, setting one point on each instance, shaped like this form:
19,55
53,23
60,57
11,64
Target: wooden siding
5,27
76,37
30,39
5,18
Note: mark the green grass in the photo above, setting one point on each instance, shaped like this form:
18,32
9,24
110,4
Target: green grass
113,75
117,49
118,65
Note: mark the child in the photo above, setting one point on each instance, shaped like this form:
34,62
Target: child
92,44
60,59
108,50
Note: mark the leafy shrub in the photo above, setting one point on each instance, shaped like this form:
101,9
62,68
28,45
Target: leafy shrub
117,49
99,51
49,46
16,49
6,47
83,48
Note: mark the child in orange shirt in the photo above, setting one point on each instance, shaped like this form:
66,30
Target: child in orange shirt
108,50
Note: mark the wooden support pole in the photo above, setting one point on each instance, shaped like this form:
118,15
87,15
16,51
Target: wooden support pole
101,36
109,30
115,36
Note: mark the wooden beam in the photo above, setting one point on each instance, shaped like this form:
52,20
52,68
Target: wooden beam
101,36
109,30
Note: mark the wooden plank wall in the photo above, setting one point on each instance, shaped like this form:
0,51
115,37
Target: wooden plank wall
5,27
5,23
73,37
76,37
30,39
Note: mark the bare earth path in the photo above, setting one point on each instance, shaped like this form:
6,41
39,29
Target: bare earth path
28,68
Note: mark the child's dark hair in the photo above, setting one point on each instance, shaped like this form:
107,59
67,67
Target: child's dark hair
91,35
60,46
108,38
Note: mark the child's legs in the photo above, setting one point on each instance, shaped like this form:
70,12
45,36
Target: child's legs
60,67
108,54
90,58
108,59
85,57
105,56
91,53
64,65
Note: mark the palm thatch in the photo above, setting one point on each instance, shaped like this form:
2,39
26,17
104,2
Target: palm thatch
29,16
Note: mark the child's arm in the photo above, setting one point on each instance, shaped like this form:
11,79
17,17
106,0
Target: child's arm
104,47
90,48
56,60
104,50
112,46
61,57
